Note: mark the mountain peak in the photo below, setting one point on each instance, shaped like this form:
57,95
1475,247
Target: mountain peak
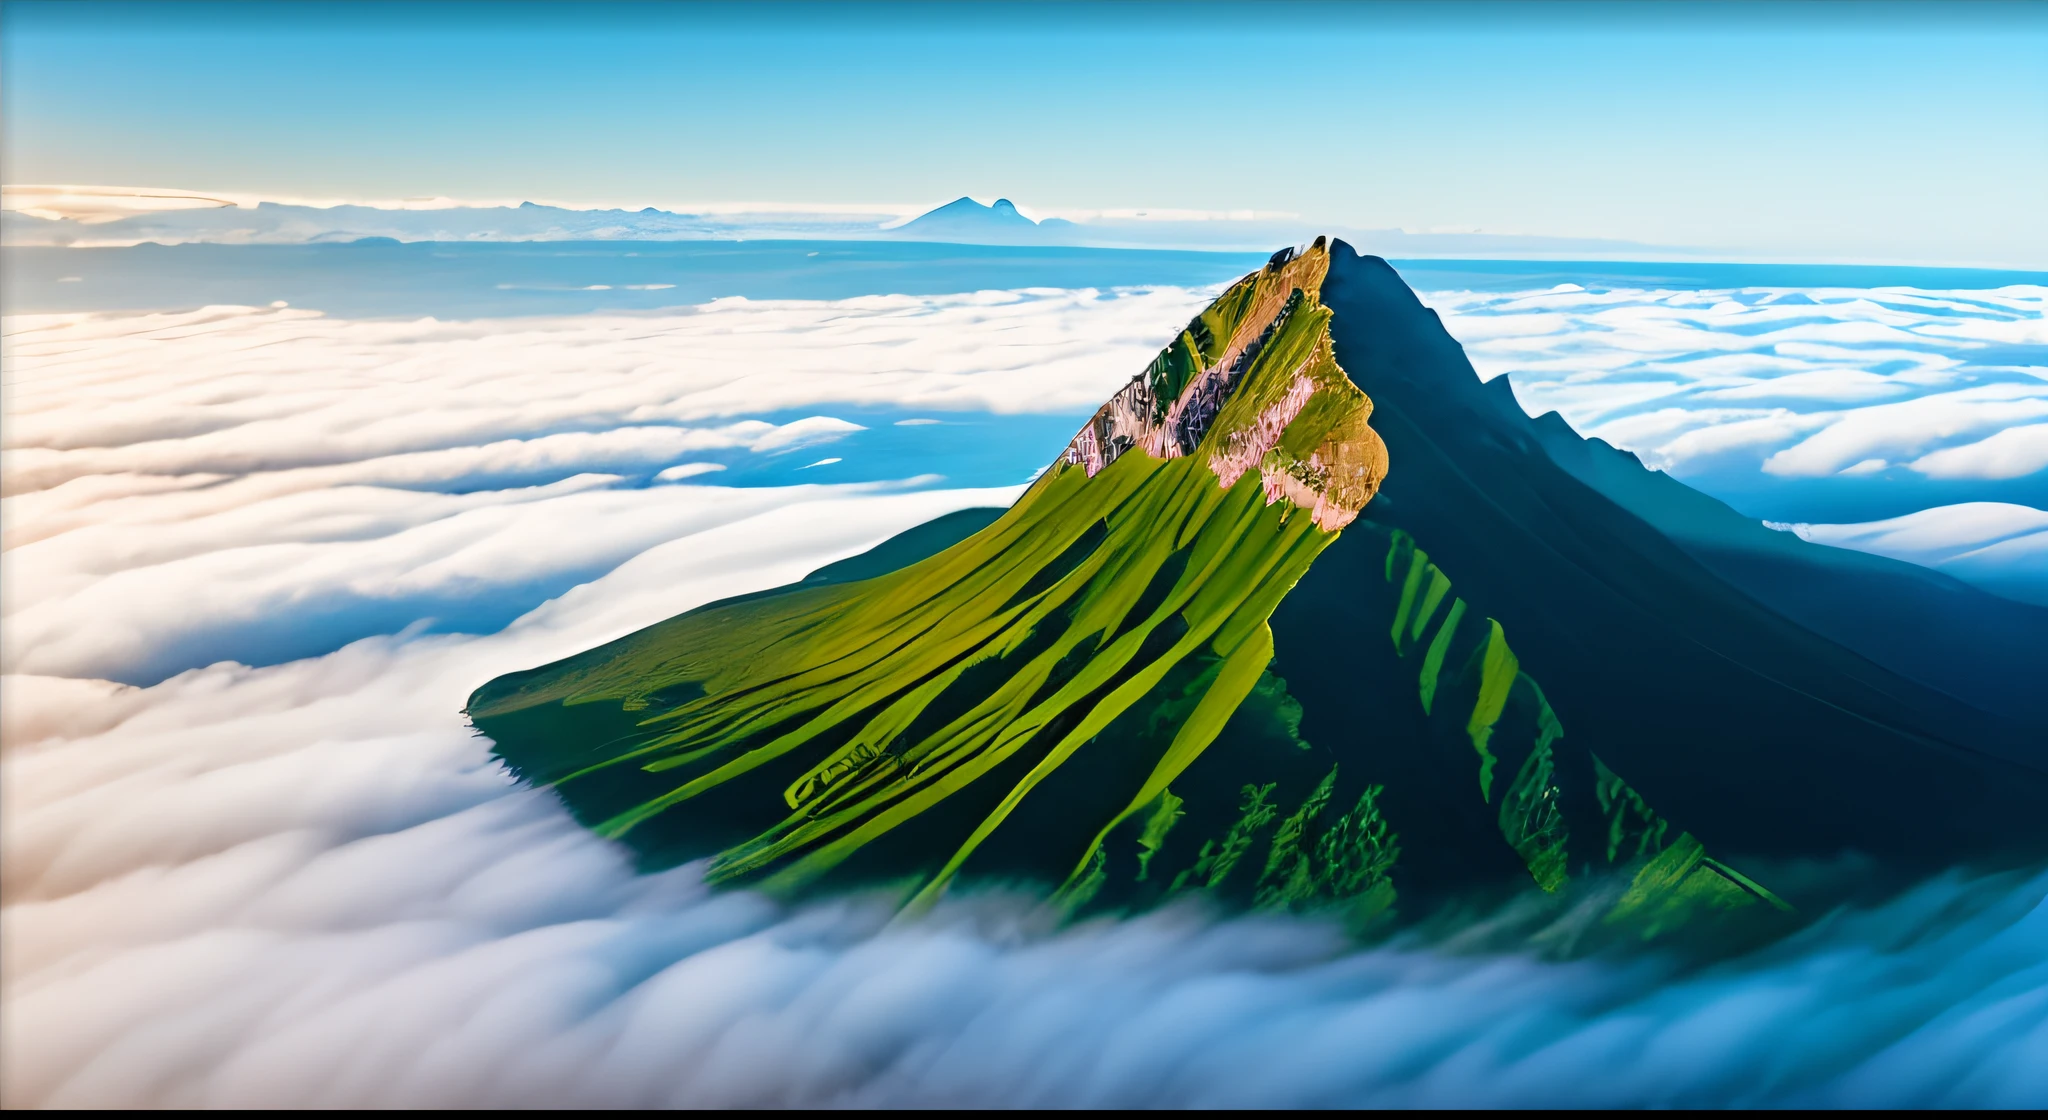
1216,386
1132,580
1189,661
967,209
965,220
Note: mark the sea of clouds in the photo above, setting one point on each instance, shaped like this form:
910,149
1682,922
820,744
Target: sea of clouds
1778,398
180,485
256,558
1808,383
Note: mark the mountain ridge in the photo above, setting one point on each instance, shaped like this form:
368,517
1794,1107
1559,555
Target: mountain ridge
988,667
998,223
1299,654
1617,563
33,220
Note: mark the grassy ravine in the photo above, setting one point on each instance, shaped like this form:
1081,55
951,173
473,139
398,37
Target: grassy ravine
1268,828
894,726
1469,681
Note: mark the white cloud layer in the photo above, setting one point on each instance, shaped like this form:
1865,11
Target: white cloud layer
176,483
1996,545
309,884
201,392
2009,453
1800,384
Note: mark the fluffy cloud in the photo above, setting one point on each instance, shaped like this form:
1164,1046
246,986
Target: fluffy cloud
177,484
1996,545
2009,453
234,390
308,883
1798,384
1904,430
110,601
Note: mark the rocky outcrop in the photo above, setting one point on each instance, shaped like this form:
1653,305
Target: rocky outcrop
1248,371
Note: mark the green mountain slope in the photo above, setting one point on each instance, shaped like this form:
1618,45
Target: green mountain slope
895,725
1257,637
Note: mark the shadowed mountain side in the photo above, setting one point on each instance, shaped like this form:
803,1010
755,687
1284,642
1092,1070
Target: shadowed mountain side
1702,695
1986,650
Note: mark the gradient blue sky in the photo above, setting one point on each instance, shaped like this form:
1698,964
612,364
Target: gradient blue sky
1840,131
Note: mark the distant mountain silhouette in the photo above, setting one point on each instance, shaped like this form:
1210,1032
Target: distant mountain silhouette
963,221
968,221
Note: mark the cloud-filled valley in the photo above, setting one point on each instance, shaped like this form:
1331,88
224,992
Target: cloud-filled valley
307,881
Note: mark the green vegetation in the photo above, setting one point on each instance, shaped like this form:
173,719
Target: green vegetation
1508,723
1319,858
913,716
1081,693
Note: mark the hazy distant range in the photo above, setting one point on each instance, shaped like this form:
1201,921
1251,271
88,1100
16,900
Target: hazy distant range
81,217
383,277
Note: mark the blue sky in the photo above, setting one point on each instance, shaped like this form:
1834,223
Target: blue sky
1901,133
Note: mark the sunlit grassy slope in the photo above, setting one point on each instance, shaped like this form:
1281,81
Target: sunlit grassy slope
1108,625
1140,682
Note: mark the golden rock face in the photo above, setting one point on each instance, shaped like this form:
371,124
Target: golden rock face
1338,478
1254,382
